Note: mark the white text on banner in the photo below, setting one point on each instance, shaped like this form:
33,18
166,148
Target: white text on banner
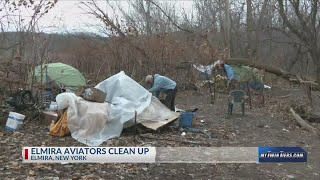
89,154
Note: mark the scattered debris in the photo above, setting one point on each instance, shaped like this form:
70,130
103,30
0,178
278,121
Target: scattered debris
260,126
32,173
282,97
290,176
285,130
145,169
225,130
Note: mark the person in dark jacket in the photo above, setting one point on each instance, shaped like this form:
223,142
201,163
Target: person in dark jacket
161,85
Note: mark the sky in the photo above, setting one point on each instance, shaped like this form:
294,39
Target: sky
68,16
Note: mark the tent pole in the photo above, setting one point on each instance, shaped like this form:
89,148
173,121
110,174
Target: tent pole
210,87
249,94
135,127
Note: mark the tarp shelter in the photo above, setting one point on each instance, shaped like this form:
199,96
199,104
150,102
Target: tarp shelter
59,74
93,123
205,71
242,73
247,74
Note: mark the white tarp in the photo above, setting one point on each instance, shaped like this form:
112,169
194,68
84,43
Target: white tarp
125,96
93,123
204,69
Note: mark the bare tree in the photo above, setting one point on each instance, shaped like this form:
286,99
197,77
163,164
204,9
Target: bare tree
305,26
24,42
250,28
228,29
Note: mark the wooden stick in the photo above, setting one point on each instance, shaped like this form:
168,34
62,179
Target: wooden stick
249,94
282,97
300,81
214,90
303,123
135,126
210,89
311,117
176,140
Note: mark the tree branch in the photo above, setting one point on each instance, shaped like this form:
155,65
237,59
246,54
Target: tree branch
169,18
297,32
9,47
304,25
180,28
314,11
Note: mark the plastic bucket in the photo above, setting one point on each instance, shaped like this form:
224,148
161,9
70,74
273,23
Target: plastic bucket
186,119
14,121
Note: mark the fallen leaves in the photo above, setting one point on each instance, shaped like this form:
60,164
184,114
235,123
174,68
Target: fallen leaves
15,165
145,169
42,167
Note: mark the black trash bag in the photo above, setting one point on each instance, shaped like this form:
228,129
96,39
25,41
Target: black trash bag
21,100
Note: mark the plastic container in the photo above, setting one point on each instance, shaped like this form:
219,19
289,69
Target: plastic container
53,106
14,121
186,119
47,97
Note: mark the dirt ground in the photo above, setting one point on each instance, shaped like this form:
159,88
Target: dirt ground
269,125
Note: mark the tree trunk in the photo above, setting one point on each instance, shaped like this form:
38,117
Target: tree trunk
315,55
250,44
318,74
148,18
227,28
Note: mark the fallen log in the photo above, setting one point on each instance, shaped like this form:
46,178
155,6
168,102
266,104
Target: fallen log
303,123
270,69
300,81
313,118
274,70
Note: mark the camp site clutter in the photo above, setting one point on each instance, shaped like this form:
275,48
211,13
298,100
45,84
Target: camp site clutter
94,114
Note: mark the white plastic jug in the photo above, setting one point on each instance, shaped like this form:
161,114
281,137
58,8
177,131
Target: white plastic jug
53,106
14,121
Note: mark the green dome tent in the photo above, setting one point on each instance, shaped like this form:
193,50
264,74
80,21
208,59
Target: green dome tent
246,73
59,74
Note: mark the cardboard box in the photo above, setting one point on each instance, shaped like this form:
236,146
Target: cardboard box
48,116
94,95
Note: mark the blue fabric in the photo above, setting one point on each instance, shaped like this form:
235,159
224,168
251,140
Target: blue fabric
11,117
229,72
161,83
